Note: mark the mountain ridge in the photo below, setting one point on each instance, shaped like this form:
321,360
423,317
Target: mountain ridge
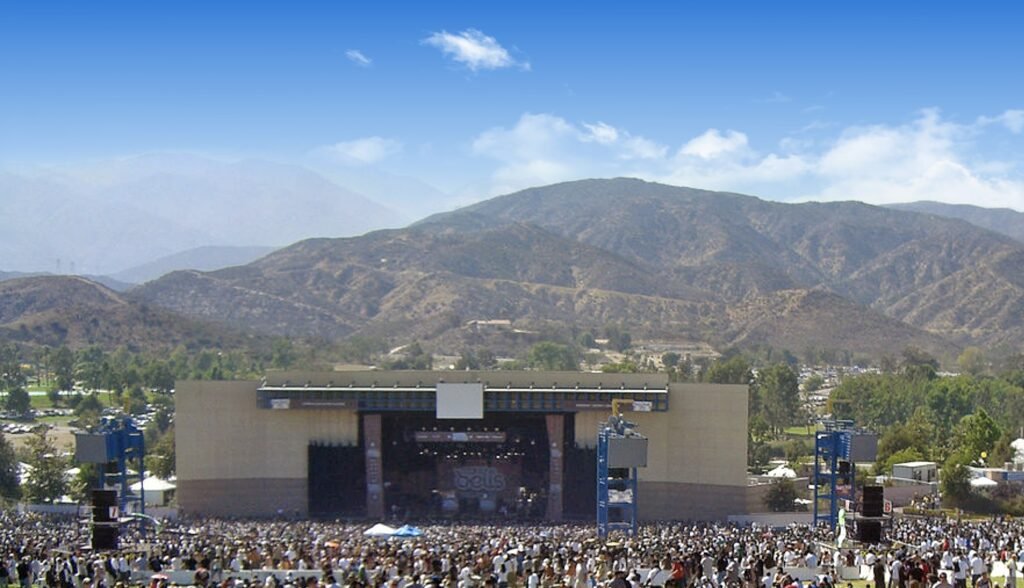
1005,221
598,251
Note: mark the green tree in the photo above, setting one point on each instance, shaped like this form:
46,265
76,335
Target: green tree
626,366
161,460
670,359
781,495
9,487
89,403
283,355
548,355
918,363
778,389
618,339
918,432
158,376
586,340
18,401
46,482
916,356
467,361
972,361
758,450
955,480
89,367
53,395
13,381
135,403
813,383
80,486
976,436
735,370
64,368
795,449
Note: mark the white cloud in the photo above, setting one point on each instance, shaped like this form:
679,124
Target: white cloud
364,151
713,143
356,56
474,49
928,157
601,133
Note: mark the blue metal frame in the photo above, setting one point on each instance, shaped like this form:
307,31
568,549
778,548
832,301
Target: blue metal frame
830,447
125,443
605,484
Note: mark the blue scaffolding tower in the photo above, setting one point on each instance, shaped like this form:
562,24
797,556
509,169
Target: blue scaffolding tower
834,474
622,449
118,441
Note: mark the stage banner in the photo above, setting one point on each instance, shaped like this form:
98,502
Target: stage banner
556,436
473,478
374,465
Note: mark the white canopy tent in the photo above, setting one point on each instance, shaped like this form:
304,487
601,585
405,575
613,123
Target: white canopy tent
983,482
379,530
783,471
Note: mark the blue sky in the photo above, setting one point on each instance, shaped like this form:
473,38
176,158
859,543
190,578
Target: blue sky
790,100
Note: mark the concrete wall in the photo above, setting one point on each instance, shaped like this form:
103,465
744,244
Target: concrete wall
697,454
235,458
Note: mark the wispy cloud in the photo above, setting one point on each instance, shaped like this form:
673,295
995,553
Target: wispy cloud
927,157
1011,119
356,56
474,49
363,151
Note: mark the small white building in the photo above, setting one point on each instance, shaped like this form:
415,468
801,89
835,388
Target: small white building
918,471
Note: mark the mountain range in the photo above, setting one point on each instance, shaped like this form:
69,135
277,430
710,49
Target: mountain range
667,262
663,262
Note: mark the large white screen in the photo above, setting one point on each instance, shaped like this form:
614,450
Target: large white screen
460,401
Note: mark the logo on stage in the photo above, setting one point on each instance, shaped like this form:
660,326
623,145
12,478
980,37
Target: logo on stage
478,479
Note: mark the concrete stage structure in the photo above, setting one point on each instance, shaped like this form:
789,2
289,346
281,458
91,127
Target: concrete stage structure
472,443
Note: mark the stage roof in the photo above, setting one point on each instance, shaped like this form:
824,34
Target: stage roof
504,391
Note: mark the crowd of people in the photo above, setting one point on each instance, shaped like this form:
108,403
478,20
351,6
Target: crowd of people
46,550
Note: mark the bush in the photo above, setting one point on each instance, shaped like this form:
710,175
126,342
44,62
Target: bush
781,495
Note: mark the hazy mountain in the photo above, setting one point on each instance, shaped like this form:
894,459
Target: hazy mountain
109,282
74,311
1006,221
118,214
666,262
201,258
48,226
411,197
14,275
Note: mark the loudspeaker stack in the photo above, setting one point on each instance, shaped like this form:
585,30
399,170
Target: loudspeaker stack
869,524
105,530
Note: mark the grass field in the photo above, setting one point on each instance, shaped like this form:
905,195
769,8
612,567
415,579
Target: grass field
41,400
800,431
